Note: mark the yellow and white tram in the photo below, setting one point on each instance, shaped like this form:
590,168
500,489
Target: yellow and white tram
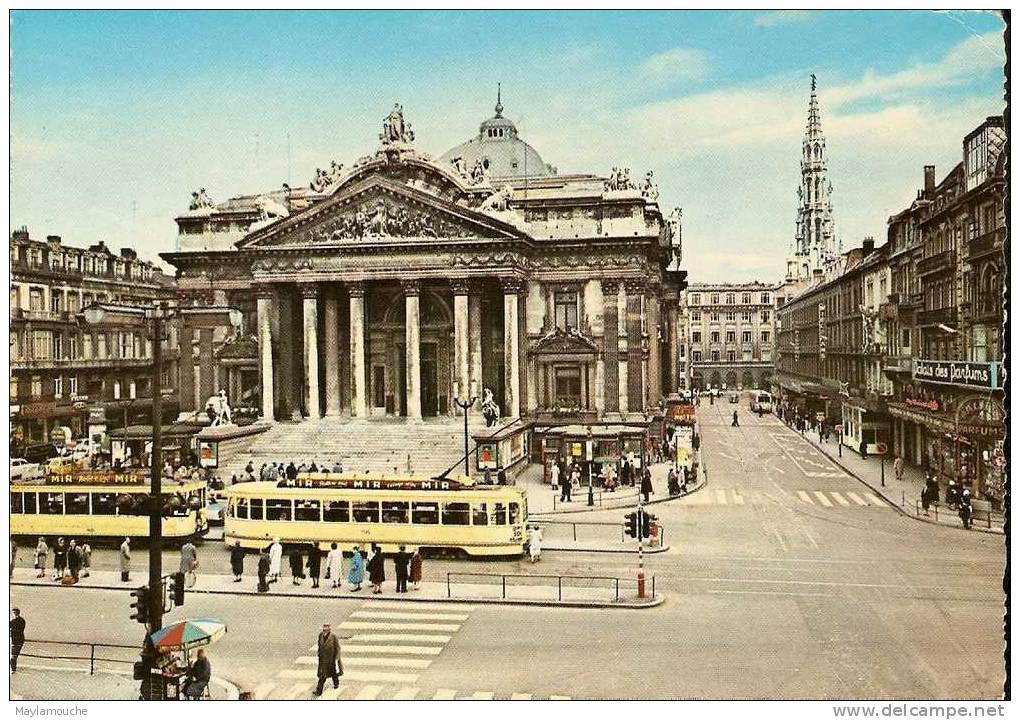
388,510
96,505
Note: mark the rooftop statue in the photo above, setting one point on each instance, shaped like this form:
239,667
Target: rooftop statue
649,189
324,178
395,128
199,200
478,173
499,200
460,166
619,179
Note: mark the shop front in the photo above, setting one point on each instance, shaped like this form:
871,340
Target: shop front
603,445
865,422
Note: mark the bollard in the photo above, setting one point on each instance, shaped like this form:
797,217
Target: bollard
641,585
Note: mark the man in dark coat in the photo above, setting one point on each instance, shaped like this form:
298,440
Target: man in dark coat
74,560
735,423
291,471
315,564
17,637
646,483
625,473
263,571
237,561
330,664
376,570
400,562
297,564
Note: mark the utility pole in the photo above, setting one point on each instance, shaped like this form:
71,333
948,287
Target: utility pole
465,405
641,548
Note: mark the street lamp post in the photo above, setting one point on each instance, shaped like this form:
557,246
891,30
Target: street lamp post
590,451
465,405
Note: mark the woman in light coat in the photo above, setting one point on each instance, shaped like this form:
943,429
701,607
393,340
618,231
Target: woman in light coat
535,543
42,551
335,565
356,575
275,557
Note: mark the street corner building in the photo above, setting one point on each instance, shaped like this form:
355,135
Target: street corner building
399,283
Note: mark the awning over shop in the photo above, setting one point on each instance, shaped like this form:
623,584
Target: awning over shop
940,422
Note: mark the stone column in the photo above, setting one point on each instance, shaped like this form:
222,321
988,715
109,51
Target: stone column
185,365
611,346
475,342
461,361
673,328
511,348
635,386
412,347
206,367
310,307
331,352
263,308
654,347
359,391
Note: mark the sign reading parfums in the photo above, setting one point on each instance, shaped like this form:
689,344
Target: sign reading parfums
966,374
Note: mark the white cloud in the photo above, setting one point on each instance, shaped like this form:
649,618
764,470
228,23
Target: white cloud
783,17
674,65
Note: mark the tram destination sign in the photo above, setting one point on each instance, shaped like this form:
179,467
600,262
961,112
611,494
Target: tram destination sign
313,481
99,478
965,374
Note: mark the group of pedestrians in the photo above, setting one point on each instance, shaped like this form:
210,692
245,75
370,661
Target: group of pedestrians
71,560
306,562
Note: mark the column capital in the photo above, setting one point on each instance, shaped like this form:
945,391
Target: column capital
610,287
263,291
356,289
309,291
511,285
411,286
634,286
461,286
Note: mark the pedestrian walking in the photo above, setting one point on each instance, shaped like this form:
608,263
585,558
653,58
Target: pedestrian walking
334,566
125,560
626,472
646,483
263,571
86,559
673,482
17,637
966,510
897,466
554,474
14,556
74,561
314,564
330,664
566,486
356,575
735,422
416,569
864,449
376,570
59,559
275,559
237,560
400,562
198,676
296,559
189,563
534,543
42,552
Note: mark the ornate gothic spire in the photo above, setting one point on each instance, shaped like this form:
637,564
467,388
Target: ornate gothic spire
499,101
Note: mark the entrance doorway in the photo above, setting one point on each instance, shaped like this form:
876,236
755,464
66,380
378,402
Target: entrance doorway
429,380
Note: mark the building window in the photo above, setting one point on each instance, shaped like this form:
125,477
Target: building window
746,355
566,310
696,337
715,356
765,300
695,299
568,386
58,387
715,298
58,346
715,317
35,299
696,356
746,336
14,388
731,356
715,337
696,316
731,316
132,390
764,316
745,316
116,389
765,335
745,298
72,385
36,386
55,302
731,336
682,351
730,298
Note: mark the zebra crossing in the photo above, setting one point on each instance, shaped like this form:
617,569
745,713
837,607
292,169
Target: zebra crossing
386,645
817,498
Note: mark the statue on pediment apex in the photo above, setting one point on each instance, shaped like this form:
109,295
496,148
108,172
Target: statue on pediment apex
199,200
499,200
395,128
460,166
478,173
649,190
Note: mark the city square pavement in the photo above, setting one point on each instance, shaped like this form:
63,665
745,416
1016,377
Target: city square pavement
785,578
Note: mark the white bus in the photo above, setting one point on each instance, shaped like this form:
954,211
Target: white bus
761,402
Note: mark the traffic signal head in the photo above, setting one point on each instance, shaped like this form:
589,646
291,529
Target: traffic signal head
177,580
141,604
646,521
631,524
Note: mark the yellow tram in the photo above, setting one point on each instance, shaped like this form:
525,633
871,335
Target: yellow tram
94,504
385,509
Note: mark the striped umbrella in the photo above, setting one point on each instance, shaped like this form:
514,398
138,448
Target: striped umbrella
188,634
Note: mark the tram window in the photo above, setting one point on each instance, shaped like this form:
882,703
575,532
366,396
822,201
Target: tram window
104,504
278,509
336,511
77,504
51,504
238,508
479,514
255,507
515,513
17,502
366,512
307,511
457,513
425,513
499,513
394,512
30,503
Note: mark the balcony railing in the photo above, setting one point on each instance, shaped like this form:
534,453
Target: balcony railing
935,263
987,243
62,316
943,316
43,363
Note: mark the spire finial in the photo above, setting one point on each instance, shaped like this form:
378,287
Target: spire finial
499,102
813,82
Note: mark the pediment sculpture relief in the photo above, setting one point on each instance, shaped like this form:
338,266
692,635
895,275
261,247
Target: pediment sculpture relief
384,218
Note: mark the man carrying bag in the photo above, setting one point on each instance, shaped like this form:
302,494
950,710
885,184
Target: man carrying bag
330,664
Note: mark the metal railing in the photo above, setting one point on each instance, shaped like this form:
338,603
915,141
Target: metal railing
609,583
580,496
919,510
91,657
593,523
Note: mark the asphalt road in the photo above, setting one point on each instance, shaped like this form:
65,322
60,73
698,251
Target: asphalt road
786,579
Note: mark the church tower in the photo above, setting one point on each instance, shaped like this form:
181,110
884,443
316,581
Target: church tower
814,244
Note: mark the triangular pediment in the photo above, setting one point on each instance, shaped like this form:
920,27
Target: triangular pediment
379,209
561,342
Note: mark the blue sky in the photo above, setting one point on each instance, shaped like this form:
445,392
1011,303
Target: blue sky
117,117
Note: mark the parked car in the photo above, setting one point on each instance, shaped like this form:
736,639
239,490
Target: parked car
63,465
734,397
22,469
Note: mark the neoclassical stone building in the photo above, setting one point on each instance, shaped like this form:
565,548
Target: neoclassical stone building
402,282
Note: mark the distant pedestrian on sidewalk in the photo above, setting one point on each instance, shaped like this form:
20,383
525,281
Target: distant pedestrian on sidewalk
42,550
735,423
356,575
416,569
966,510
400,562
59,559
376,570
17,637
275,559
864,449
74,561
315,564
534,543
334,566
330,664
296,559
566,483
897,466
237,560
86,559
14,556
646,482
263,571
189,563
554,475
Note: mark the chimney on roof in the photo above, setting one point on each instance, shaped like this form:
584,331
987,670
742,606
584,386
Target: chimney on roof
869,245
21,234
128,254
929,178
52,239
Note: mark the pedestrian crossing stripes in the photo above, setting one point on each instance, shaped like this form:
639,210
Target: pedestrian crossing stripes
834,499
825,499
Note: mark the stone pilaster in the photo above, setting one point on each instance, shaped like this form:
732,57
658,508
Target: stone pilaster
511,347
461,340
412,340
263,308
359,389
331,355
611,346
654,347
206,365
310,316
475,342
185,364
635,384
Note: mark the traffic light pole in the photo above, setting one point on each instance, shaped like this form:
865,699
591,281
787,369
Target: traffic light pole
641,548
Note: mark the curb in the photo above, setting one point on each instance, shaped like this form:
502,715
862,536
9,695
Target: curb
585,509
654,602
890,503
546,547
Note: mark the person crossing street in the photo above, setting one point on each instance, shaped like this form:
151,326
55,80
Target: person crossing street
330,664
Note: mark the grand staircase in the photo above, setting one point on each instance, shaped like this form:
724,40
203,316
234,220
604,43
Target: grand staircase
429,446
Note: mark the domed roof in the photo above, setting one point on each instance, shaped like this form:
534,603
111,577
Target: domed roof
501,151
